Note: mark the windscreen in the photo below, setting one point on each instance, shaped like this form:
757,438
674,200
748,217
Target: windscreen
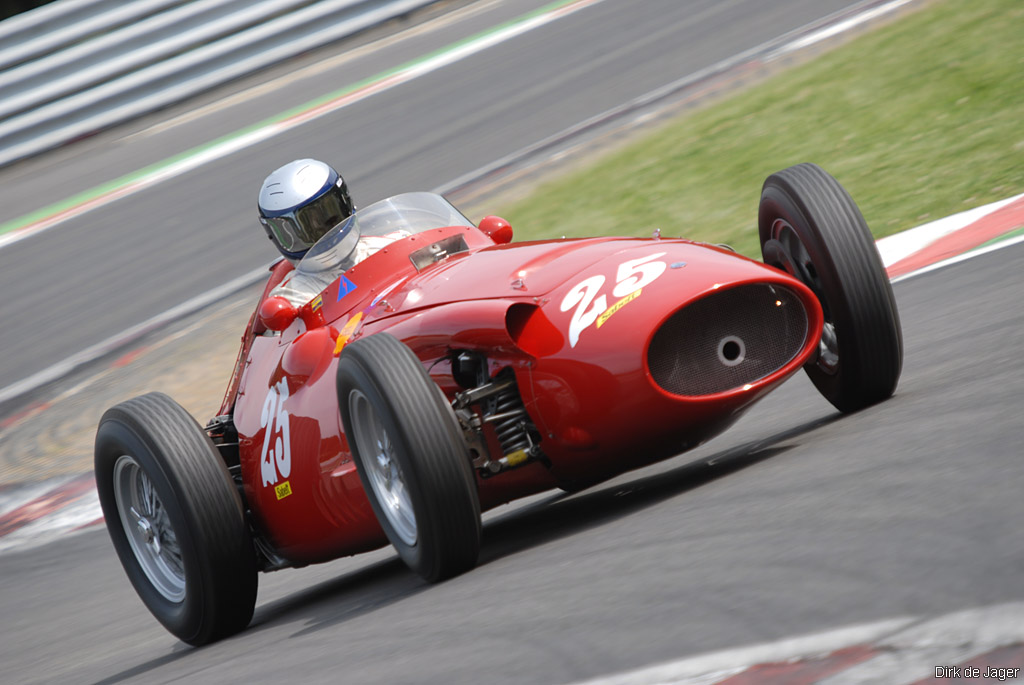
390,219
362,234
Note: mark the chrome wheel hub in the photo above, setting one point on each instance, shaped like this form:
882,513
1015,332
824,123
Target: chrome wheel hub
147,535
828,349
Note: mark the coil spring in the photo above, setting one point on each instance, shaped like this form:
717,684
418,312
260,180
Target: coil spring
511,430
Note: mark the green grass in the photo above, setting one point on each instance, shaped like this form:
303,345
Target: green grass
1016,233
919,119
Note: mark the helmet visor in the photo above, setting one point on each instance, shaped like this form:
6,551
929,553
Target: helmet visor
298,230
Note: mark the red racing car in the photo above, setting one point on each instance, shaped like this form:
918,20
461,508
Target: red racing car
452,370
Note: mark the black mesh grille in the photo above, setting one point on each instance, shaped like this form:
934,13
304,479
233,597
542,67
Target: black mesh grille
727,339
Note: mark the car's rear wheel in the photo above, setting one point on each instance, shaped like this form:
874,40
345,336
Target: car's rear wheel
410,455
810,227
175,518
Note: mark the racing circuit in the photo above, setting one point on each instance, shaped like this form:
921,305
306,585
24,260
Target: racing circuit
794,523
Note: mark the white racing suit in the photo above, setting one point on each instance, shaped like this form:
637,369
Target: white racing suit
304,283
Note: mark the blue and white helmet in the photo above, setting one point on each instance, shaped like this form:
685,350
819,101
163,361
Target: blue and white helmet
300,202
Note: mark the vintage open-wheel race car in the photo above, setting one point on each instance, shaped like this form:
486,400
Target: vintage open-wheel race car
452,370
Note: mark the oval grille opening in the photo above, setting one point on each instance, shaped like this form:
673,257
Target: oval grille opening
727,339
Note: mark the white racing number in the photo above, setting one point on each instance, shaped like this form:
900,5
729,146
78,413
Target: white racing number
276,457
584,295
636,273
630,277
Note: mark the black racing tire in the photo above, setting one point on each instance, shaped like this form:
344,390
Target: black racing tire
412,460
176,519
810,227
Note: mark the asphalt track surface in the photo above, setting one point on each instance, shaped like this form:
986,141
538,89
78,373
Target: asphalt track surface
100,273
798,520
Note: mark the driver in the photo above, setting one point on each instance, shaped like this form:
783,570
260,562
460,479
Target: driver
301,202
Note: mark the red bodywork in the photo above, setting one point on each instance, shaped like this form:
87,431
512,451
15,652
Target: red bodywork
573,319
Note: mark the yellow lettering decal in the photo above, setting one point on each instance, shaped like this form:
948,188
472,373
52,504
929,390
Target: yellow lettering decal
317,302
617,306
283,490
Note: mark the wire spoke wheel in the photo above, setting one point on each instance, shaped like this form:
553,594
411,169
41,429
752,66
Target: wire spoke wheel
148,529
382,468
796,260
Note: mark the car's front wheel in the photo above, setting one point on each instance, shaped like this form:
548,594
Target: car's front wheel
175,519
411,457
811,227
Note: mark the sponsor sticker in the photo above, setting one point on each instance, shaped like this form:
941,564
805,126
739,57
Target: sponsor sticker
607,314
345,286
317,303
283,490
347,332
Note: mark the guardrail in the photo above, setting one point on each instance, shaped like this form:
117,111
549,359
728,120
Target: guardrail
74,67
